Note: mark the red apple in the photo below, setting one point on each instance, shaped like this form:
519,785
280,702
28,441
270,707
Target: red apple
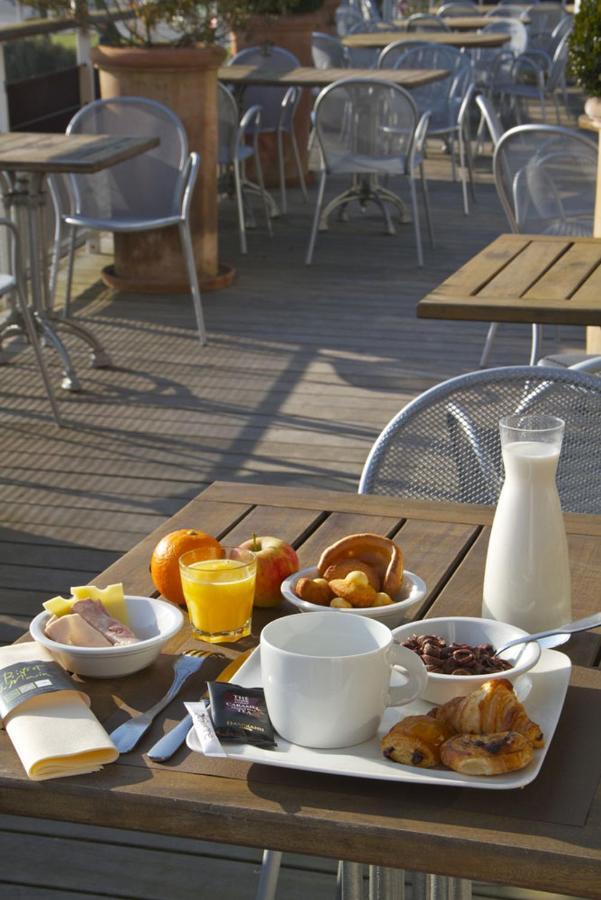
276,560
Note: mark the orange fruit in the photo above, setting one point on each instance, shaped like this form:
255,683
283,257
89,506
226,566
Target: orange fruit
164,565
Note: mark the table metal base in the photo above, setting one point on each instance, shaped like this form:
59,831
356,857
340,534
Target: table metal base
47,326
24,196
366,189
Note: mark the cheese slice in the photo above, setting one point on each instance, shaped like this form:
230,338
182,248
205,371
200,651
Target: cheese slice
111,597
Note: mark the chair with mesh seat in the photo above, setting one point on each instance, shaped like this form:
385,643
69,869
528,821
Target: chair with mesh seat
234,151
445,444
328,52
278,105
370,129
447,100
545,177
426,22
347,18
152,191
493,64
533,77
465,8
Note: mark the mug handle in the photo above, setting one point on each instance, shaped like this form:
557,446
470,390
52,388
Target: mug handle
412,669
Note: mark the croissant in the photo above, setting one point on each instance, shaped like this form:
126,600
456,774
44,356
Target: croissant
379,552
493,707
416,741
487,754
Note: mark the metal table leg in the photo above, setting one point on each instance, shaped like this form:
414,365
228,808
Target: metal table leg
26,191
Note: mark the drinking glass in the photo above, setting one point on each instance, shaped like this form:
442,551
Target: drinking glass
219,593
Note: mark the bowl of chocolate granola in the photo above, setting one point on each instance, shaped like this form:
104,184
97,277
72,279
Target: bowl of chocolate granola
459,653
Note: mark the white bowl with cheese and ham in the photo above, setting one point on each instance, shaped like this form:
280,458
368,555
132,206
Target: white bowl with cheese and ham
153,622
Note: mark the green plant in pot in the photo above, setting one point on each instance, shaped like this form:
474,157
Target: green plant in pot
585,55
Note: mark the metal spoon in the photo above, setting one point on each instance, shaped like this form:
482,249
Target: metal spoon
560,634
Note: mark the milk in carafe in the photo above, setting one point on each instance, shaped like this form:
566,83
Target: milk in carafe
527,576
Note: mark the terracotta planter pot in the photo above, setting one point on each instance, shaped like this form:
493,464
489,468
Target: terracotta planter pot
185,80
293,33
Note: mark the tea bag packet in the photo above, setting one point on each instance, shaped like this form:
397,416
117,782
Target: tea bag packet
239,714
47,718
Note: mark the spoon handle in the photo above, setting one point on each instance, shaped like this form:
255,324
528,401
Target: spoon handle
593,621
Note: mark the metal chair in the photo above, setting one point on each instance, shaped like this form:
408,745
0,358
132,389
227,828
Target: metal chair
532,77
426,22
544,19
278,105
490,117
13,285
369,129
507,11
328,52
464,8
152,191
233,153
447,101
545,177
492,65
391,53
346,19
445,444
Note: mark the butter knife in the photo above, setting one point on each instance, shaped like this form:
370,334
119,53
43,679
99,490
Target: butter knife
172,741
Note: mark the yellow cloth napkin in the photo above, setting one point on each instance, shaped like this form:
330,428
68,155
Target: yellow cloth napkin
55,734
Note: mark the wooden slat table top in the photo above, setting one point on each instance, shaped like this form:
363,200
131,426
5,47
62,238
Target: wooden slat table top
524,278
465,23
307,76
83,153
369,821
450,38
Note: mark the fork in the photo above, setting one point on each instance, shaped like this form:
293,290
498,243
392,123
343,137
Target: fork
126,736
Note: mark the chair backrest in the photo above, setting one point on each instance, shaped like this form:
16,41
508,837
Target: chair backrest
507,11
426,22
518,32
493,122
445,444
359,118
559,63
228,123
563,27
390,54
442,98
464,8
327,51
545,177
270,99
544,17
346,19
122,191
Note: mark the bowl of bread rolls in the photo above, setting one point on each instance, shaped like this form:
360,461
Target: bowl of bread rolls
459,653
362,574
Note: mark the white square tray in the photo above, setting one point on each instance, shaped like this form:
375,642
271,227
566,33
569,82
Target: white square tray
542,691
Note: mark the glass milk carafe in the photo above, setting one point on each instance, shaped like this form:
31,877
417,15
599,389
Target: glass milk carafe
527,576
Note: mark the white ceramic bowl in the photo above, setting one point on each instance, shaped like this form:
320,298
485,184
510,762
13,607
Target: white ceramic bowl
413,590
471,631
153,621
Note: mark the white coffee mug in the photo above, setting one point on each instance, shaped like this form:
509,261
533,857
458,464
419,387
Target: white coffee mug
326,677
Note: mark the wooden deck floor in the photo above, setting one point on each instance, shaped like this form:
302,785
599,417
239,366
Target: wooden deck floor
302,370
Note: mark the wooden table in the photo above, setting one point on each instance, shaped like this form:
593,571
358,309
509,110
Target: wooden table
306,76
466,23
470,39
452,831
524,278
27,159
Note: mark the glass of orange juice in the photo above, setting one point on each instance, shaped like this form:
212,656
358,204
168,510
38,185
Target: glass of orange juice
219,593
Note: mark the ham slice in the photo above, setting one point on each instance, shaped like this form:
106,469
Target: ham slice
73,629
95,615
